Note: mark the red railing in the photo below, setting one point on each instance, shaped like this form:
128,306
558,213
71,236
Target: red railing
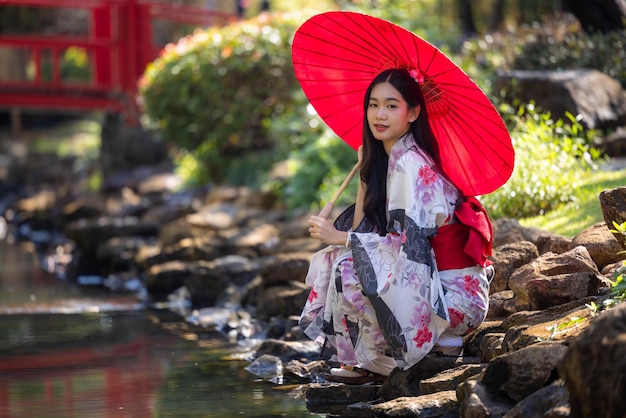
118,46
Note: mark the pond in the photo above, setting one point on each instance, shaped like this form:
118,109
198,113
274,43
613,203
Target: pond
71,351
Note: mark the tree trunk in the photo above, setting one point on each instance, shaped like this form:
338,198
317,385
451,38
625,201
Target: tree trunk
468,26
598,15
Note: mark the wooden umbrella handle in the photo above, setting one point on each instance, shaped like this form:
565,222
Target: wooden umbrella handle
325,212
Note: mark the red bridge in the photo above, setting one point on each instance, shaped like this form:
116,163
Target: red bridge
118,43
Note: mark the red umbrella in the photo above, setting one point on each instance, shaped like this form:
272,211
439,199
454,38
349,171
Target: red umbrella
337,54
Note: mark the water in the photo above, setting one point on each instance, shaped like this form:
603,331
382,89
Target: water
67,351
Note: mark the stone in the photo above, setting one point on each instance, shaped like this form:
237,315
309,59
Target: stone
334,398
520,373
575,260
600,243
442,404
544,292
449,379
407,382
506,231
599,99
613,205
593,367
507,258
543,403
284,268
477,401
498,303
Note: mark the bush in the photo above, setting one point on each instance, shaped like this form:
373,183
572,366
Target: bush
316,171
549,159
215,95
603,52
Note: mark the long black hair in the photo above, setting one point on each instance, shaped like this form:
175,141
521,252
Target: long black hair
375,159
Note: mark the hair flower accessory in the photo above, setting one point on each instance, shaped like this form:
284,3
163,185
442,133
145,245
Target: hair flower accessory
417,76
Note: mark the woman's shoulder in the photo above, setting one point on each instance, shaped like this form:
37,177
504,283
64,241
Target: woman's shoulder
416,158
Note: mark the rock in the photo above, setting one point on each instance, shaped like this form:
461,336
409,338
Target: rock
288,350
544,292
553,243
559,323
573,261
613,204
442,404
208,281
476,401
473,341
524,371
499,302
551,401
597,239
506,231
614,145
593,367
284,268
266,367
599,99
507,258
491,346
449,379
407,383
334,398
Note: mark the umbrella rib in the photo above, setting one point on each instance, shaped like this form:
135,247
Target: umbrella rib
479,136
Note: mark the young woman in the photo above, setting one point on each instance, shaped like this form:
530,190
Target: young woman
401,273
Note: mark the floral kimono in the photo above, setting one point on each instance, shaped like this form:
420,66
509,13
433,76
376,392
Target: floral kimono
385,295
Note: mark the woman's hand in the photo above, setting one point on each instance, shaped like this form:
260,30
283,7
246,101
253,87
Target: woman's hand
324,231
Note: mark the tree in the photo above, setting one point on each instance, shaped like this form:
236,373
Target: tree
598,15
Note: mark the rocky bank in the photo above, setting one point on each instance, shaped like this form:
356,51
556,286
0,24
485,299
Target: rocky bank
232,264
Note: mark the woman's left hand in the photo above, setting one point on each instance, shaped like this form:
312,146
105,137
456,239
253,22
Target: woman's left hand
324,231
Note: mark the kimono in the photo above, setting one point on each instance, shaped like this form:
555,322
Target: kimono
386,295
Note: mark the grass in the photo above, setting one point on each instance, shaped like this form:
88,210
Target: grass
574,217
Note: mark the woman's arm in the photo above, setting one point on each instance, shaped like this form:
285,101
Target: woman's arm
360,197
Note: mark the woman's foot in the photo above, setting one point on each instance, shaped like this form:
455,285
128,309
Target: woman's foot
354,375
375,370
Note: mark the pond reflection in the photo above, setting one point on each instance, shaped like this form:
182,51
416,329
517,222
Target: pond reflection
113,359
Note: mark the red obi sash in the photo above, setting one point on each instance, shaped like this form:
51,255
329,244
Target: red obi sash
466,243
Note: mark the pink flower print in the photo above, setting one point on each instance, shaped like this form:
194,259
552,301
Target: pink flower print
422,337
456,317
344,322
421,315
414,280
427,175
345,350
312,296
472,285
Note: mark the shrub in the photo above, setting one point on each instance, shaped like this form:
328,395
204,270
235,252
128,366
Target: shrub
216,93
603,52
549,159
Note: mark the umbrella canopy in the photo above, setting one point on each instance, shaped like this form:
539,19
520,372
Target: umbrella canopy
337,54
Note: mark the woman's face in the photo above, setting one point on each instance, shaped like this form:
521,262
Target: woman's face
388,114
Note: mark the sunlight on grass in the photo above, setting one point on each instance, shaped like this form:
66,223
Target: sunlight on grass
570,219
77,137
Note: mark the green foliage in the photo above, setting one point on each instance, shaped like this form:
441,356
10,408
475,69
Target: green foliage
75,65
216,93
582,212
549,159
434,20
603,52
316,171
